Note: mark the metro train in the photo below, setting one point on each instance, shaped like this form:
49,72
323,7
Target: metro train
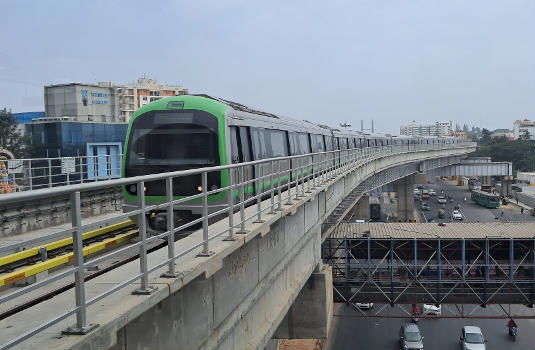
195,131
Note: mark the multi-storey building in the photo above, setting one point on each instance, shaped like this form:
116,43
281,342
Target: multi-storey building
136,95
437,129
524,129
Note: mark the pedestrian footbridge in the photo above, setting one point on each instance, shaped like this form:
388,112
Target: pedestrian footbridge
236,283
455,263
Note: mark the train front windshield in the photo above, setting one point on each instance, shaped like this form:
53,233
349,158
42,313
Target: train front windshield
173,141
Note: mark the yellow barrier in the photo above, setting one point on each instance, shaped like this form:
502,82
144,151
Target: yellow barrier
64,259
61,243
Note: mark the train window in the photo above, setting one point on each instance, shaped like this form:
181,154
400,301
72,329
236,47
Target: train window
245,144
328,143
259,143
317,143
235,150
279,146
304,143
343,142
336,142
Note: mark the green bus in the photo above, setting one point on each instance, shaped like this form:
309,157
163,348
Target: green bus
486,199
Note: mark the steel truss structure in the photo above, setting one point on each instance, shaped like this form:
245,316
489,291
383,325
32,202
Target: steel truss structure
432,270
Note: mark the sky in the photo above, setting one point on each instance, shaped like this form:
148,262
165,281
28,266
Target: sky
468,61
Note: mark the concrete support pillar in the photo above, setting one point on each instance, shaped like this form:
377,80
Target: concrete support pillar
405,189
507,182
485,180
311,313
361,210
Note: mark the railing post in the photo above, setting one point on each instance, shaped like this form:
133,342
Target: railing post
49,172
279,186
30,173
81,326
145,288
271,190
171,272
205,246
297,178
81,158
242,201
289,183
230,200
259,185
511,260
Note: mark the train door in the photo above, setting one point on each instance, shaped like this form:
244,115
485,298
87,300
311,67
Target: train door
246,156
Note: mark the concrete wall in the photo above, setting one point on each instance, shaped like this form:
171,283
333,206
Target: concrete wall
35,215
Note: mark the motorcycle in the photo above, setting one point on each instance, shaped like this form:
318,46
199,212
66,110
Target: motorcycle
512,332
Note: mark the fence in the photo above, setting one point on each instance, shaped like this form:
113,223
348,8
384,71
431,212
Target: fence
37,173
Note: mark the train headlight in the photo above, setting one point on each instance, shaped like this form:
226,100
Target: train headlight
132,188
199,188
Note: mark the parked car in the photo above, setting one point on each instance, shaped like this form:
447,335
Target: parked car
426,207
472,338
456,215
410,337
432,192
441,200
431,309
364,306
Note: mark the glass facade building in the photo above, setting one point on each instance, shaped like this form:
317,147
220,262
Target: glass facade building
67,139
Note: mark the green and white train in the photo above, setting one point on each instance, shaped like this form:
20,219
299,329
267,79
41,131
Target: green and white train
195,131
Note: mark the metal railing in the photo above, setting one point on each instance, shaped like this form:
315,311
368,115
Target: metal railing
277,182
38,173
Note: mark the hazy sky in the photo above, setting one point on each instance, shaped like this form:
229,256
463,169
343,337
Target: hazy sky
326,61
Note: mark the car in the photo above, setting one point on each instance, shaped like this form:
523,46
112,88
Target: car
364,306
426,207
472,338
431,309
456,215
420,187
425,194
432,192
441,200
416,192
410,337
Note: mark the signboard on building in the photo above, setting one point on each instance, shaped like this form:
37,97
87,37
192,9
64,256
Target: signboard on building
68,165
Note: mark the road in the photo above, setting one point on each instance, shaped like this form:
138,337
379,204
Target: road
471,212
350,331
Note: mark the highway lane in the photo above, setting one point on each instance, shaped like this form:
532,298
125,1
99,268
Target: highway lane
350,331
471,212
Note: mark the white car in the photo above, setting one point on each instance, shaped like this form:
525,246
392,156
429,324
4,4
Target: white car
441,200
456,215
416,192
431,309
432,192
472,338
364,306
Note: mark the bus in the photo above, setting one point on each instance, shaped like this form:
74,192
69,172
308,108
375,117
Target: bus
474,184
425,194
486,199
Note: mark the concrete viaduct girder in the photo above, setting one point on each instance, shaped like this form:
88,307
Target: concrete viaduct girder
474,169
235,298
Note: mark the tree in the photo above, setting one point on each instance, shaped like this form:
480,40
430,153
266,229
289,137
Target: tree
11,138
485,135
